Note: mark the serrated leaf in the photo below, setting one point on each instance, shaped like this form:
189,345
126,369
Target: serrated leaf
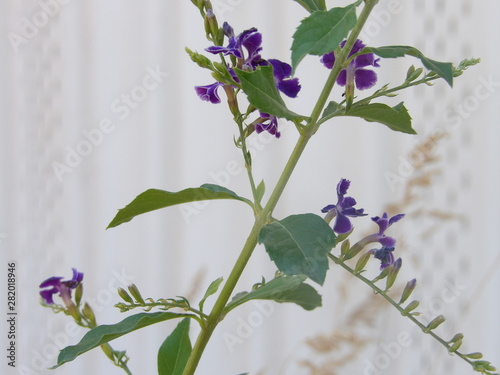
281,289
154,199
212,289
299,245
442,69
175,350
105,333
322,32
396,118
260,88
312,5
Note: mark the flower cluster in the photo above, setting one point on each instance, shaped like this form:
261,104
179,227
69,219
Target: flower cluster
345,209
246,48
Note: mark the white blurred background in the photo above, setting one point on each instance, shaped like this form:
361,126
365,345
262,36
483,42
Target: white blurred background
67,68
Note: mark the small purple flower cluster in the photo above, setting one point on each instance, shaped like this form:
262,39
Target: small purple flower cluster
344,208
246,48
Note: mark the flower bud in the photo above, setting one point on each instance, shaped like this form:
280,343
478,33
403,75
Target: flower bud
475,355
353,251
344,248
361,263
125,296
410,286
393,273
108,351
435,323
411,306
89,314
382,274
455,346
78,294
136,294
458,336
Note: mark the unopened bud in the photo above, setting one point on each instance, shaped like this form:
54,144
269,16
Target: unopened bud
411,306
136,294
382,274
89,314
409,288
78,294
361,263
393,273
475,355
435,323
353,251
458,336
344,248
456,345
108,351
124,295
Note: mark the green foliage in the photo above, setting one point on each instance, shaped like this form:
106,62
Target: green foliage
175,350
299,245
154,199
281,289
322,32
106,333
212,289
396,118
442,69
261,90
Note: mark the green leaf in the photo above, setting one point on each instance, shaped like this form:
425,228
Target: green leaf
312,5
154,199
175,350
261,90
212,289
396,118
105,333
442,69
322,32
281,289
331,108
299,245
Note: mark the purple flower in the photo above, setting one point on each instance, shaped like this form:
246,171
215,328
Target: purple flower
282,77
355,73
55,285
269,124
209,93
385,256
383,223
343,209
249,40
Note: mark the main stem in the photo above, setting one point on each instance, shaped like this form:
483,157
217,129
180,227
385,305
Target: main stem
217,313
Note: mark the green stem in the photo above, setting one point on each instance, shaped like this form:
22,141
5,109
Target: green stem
217,313
398,307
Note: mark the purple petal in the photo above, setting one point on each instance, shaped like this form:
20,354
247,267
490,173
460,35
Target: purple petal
281,70
342,187
271,127
342,78
366,60
209,93
395,218
387,241
342,224
290,87
47,295
53,281
328,60
328,208
364,79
